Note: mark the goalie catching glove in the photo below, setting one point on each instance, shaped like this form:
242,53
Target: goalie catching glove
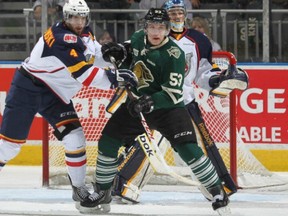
144,104
117,51
121,77
228,80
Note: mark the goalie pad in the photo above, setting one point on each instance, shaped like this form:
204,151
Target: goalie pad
133,173
228,80
118,98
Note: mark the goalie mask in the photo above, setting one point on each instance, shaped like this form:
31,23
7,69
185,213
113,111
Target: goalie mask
177,12
76,12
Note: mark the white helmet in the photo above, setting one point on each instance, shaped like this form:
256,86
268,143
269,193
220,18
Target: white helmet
76,8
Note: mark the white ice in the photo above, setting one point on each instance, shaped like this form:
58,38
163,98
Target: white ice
21,193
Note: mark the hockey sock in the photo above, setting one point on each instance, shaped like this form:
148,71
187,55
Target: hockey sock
75,156
109,146
200,164
76,166
106,169
107,161
8,150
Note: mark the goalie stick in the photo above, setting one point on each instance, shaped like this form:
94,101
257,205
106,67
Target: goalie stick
212,151
152,151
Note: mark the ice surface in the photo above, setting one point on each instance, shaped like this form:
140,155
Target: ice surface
21,193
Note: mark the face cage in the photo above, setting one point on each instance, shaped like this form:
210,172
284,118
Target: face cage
178,8
177,26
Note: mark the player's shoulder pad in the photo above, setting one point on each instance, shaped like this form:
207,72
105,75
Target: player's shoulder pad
137,36
87,32
64,37
202,41
137,40
173,50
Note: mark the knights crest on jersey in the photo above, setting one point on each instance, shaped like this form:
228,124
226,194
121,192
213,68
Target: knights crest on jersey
174,51
143,74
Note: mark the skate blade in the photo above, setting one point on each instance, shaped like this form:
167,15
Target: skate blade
224,211
77,205
99,209
120,200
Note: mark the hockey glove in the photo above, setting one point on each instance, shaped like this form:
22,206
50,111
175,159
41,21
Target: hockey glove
144,104
115,50
121,78
228,80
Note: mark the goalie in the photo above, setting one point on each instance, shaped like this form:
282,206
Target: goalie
135,171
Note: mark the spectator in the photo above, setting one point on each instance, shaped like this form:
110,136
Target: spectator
54,10
105,37
195,3
115,4
201,24
147,4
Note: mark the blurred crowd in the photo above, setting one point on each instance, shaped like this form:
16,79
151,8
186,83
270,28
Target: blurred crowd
195,20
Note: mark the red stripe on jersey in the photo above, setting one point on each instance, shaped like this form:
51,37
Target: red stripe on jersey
90,78
41,71
76,164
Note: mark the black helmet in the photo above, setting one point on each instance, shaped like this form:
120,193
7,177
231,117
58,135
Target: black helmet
157,15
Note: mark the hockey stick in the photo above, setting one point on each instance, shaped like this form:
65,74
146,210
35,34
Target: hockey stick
151,149
212,150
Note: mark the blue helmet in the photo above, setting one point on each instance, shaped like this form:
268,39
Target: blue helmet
171,4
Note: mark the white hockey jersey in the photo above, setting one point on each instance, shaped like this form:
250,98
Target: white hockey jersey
199,66
64,61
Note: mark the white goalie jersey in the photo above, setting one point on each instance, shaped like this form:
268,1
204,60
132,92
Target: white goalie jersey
199,65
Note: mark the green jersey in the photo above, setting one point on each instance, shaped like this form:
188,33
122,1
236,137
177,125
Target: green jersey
160,71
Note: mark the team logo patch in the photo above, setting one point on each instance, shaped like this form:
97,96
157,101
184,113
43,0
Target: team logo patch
188,57
70,38
143,74
174,51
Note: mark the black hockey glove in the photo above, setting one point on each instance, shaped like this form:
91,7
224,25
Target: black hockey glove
144,104
121,77
115,50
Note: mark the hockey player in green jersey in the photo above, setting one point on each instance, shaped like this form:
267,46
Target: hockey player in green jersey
134,170
160,67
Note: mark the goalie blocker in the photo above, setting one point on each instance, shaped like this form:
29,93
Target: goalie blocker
135,171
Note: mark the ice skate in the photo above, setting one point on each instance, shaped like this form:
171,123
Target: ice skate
96,203
79,193
220,201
